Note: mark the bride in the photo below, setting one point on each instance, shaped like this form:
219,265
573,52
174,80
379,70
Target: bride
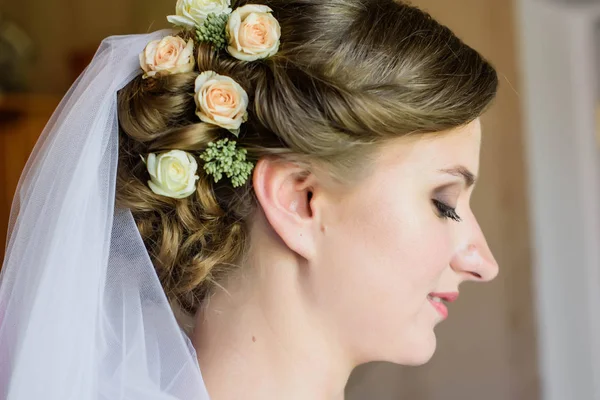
248,206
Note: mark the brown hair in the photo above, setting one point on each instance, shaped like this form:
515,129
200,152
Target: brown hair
349,75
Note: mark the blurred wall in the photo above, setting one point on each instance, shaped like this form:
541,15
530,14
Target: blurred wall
64,29
486,350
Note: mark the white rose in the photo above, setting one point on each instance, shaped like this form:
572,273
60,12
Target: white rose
220,101
253,33
173,174
170,55
193,13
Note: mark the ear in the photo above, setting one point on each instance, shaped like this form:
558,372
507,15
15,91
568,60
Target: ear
288,195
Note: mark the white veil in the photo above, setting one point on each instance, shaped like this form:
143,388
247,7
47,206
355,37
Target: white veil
82,313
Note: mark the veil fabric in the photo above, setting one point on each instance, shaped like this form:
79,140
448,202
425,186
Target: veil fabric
82,313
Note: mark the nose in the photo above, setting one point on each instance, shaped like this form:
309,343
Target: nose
473,258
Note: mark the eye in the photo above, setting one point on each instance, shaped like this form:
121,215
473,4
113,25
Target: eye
445,211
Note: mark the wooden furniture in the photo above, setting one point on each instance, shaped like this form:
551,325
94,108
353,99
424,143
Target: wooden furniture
22,119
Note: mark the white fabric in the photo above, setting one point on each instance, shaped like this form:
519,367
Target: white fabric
82,313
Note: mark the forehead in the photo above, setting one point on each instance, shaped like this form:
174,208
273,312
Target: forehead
448,149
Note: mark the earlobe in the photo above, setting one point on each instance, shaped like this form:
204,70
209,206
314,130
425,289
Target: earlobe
285,193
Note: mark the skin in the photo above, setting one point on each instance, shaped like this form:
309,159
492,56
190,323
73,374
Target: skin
336,278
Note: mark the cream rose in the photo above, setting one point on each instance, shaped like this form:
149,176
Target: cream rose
253,33
172,174
220,101
193,13
170,55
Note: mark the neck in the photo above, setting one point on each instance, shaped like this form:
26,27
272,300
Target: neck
258,338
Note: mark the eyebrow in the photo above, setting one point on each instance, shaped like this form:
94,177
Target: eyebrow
462,172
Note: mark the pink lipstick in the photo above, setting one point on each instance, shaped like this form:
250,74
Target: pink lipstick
439,300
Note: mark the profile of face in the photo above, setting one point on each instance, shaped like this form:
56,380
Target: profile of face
379,253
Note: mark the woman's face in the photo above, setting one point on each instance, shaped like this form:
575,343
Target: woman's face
405,233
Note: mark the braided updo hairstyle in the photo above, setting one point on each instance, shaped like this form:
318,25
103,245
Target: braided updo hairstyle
349,75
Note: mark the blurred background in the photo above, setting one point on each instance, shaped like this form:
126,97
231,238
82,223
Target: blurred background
534,333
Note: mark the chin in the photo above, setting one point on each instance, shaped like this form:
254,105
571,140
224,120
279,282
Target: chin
419,351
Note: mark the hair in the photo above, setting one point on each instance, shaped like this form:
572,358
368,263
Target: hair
349,75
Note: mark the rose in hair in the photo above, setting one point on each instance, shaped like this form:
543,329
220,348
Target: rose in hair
172,174
253,33
192,13
170,55
220,101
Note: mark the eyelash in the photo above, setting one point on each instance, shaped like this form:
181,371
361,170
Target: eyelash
446,211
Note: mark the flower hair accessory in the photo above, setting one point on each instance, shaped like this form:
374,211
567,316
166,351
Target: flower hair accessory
172,174
213,30
253,33
166,56
249,32
191,14
223,158
221,101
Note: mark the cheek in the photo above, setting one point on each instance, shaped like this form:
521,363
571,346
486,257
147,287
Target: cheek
395,247
408,244
380,263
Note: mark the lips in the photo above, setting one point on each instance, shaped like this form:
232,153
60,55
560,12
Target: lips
447,297
438,301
